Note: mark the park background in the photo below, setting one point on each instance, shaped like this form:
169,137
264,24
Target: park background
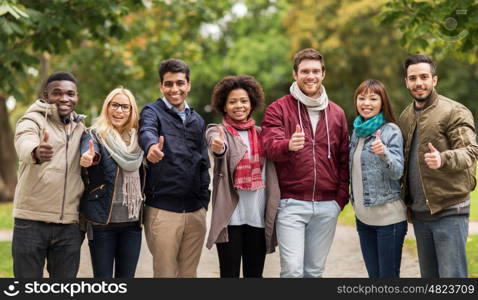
110,43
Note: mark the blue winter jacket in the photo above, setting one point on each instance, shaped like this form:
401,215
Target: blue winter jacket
381,177
180,181
97,200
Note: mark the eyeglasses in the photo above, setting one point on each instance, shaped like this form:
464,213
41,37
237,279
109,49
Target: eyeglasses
124,107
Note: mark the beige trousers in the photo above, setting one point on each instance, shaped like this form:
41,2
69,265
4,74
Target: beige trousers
175,240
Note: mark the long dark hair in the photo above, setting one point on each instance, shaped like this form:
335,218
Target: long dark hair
375,86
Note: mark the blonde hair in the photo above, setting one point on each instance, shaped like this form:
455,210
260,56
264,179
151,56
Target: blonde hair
103,125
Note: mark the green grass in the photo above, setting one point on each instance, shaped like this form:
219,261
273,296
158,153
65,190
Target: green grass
6,219
471,252
6,263
474,205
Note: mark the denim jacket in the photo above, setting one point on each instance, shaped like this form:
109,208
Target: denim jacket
380,176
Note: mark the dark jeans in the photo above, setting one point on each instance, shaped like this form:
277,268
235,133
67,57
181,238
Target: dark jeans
382,248
246,242
35,241
115,245
441,246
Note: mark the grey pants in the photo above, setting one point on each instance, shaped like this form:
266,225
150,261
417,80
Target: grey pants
35,241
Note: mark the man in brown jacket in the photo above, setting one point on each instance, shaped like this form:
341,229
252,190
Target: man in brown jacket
47,196
440,152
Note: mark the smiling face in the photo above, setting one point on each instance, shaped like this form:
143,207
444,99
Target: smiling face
175,88
62,93
119,111
309,77
369,105
420,81
238,105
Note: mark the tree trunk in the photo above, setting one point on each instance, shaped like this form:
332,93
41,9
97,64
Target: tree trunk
8,160
43,73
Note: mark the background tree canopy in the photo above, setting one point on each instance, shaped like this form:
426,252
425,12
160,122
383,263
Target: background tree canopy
108,43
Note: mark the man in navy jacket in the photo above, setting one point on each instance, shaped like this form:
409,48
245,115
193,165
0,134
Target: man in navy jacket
177,177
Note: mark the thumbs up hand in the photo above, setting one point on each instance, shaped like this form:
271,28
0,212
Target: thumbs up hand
297,139
88,157
155,152
44,151
217,144
377,146
433,158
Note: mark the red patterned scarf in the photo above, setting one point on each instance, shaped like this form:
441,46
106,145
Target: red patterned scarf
248,174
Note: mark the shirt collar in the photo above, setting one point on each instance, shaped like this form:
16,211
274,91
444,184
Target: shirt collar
170,106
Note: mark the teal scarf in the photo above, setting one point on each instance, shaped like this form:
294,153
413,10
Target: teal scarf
364,128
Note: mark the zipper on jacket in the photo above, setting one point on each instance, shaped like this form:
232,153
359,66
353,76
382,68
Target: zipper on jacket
97,188
313,152
420,170
66,174
315,169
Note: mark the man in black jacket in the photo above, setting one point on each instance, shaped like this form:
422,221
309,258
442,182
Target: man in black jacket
177,178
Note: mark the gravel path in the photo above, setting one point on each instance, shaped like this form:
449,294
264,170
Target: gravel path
345,258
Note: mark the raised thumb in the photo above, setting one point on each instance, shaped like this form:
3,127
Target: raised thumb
91,147
432,149
298,129
161,142
221,133
45,136
377,135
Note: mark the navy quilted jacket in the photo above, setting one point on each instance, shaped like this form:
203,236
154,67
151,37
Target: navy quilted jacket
180,181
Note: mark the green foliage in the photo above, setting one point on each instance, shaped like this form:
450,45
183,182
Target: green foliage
6,263
438,27
123,42
53,27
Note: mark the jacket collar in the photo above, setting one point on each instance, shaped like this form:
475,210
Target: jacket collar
431,101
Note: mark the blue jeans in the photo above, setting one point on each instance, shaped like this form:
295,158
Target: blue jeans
305,231
441,246
382,248
35,241
117,245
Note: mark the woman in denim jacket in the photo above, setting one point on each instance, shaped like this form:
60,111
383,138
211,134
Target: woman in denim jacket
376,166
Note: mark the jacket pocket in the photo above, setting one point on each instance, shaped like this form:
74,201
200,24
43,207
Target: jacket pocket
96,193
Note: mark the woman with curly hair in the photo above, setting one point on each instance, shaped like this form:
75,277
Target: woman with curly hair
245,189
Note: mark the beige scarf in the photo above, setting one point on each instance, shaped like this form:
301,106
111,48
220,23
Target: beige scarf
129,158
311,103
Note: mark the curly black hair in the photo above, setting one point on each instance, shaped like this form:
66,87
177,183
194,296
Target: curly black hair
230,83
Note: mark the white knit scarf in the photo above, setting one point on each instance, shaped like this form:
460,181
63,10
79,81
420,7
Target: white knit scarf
311,103
129,158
